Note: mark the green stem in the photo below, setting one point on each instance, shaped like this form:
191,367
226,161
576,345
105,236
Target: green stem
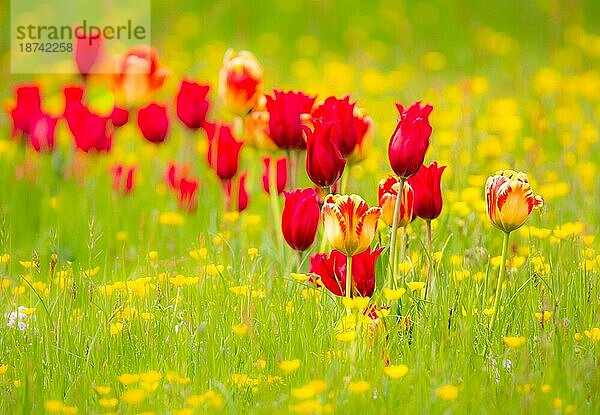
500,281
344,179
393,265
323,243
348,276
275,200
431,278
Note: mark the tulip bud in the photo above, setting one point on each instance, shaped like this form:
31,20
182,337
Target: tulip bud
188,188
286,113
300,218
176,172
87,51
192,104
349,223
237,195
324,162
223,150
28,109
42,137
410,140
510,199
340,111
387,196
281,174
332,271
240,81
119,117
123,178
428,193
153,122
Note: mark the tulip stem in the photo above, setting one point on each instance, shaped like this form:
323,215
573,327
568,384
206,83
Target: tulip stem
403,244
275,201
500,280
431,277
323,244
344,179
393,263
349,276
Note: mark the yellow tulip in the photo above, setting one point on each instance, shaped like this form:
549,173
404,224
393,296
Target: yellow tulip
349,223
510,199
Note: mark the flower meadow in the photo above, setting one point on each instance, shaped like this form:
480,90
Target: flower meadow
275,222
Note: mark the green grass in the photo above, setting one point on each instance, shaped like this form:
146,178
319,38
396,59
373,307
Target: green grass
375,52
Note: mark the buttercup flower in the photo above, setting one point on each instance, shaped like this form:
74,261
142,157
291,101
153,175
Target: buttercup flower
153,122
240,81
349,223
428,194
332,270
286,112
387,195
192,104
410,140
510,199
324,162
300,218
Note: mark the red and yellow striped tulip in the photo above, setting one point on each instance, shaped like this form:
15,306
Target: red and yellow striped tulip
241,81
387,194
349,223
510,199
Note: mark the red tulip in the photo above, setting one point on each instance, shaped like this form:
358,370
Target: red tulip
42,136
192,105
28,109
188,198
87,50
281,174
240,81
428,193
73,103
89,130
176,172
286,110
237,195
119,117
223,150
123,178
153,121
324,162
341,111
300,218
410,140
332,270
